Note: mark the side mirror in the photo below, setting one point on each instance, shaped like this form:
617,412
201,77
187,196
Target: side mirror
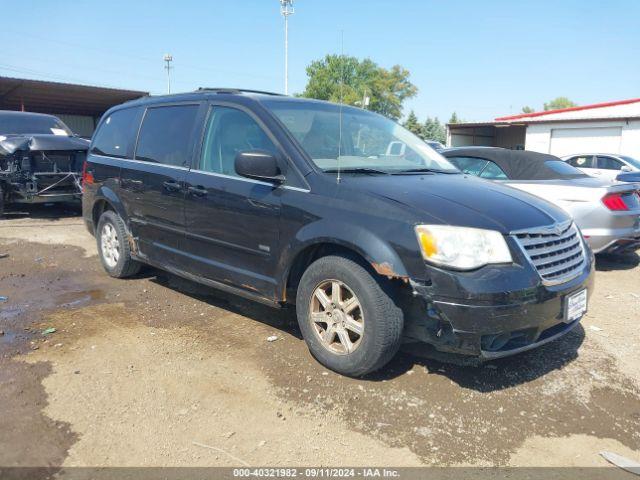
259,165
626,168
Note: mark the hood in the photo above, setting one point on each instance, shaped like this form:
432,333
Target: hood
10,144
461,200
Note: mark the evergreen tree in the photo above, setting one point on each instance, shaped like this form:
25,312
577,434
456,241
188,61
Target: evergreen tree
434,130
412,124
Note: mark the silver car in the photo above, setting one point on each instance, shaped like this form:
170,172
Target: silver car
603,165
608,213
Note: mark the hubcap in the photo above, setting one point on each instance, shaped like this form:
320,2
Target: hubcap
336,317
110,245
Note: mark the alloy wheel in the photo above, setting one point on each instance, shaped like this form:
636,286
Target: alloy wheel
110,245
337,317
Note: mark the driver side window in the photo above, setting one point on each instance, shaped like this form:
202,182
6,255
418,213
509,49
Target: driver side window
230,131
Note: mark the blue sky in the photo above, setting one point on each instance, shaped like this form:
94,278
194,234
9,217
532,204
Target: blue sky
478,58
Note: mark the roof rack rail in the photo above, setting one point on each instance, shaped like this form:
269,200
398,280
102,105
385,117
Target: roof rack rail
235,90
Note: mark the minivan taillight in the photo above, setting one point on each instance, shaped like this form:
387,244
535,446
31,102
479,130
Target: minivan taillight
87,177
614,202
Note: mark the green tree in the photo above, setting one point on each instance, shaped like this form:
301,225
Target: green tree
559,102
341,78
434,130
454,118
527,109
412,124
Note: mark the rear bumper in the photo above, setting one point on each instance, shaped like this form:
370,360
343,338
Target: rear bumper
615,243
623,233
493,325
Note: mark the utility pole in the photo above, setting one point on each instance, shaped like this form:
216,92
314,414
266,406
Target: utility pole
168,58
286,9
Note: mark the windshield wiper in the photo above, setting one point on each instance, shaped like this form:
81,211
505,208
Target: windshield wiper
425,170
357,170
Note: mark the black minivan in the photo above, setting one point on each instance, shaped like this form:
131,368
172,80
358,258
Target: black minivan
372,235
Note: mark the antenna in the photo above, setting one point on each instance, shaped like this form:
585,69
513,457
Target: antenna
338,178
286,9
168,58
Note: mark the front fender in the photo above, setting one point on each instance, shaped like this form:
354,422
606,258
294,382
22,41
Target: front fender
377,252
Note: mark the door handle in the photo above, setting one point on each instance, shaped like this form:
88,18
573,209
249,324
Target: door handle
172,186
197,191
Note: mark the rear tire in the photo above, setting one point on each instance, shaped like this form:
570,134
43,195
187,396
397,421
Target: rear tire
113,246
340,303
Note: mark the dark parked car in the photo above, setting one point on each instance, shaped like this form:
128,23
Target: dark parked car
40,159
294,201
629,177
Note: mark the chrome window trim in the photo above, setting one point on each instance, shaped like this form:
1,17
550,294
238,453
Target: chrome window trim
249,180
130,160
214,174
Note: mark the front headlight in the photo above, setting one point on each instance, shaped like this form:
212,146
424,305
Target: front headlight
461,247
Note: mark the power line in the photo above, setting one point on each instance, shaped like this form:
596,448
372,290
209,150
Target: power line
140,58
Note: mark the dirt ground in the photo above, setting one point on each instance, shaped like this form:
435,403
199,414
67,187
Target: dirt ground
159,371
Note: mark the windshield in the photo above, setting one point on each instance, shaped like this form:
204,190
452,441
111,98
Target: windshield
633,161
356,140
16,123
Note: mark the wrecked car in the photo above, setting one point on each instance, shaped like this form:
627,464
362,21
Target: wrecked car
40,159
372,236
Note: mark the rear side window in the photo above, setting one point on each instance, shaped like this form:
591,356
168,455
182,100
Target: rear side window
166,135
470,165
493,172
117,133
583,161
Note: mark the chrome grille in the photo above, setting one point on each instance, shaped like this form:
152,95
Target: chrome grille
556,252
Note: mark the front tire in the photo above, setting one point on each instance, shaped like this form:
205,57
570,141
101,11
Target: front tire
113,246
347,316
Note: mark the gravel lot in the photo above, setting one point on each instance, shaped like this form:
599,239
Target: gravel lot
158,371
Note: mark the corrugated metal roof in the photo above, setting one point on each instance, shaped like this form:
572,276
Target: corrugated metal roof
48,97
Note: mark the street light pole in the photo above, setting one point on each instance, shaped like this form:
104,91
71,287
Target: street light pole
168,59
286,9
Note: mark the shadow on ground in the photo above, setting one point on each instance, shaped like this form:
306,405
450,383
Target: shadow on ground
617,261
513,371
44,211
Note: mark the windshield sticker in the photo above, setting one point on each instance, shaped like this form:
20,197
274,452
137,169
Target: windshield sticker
59,131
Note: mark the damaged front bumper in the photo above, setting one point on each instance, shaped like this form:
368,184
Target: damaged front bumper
46,187
491,313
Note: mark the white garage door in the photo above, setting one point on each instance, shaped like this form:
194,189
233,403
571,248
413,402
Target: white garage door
566,141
